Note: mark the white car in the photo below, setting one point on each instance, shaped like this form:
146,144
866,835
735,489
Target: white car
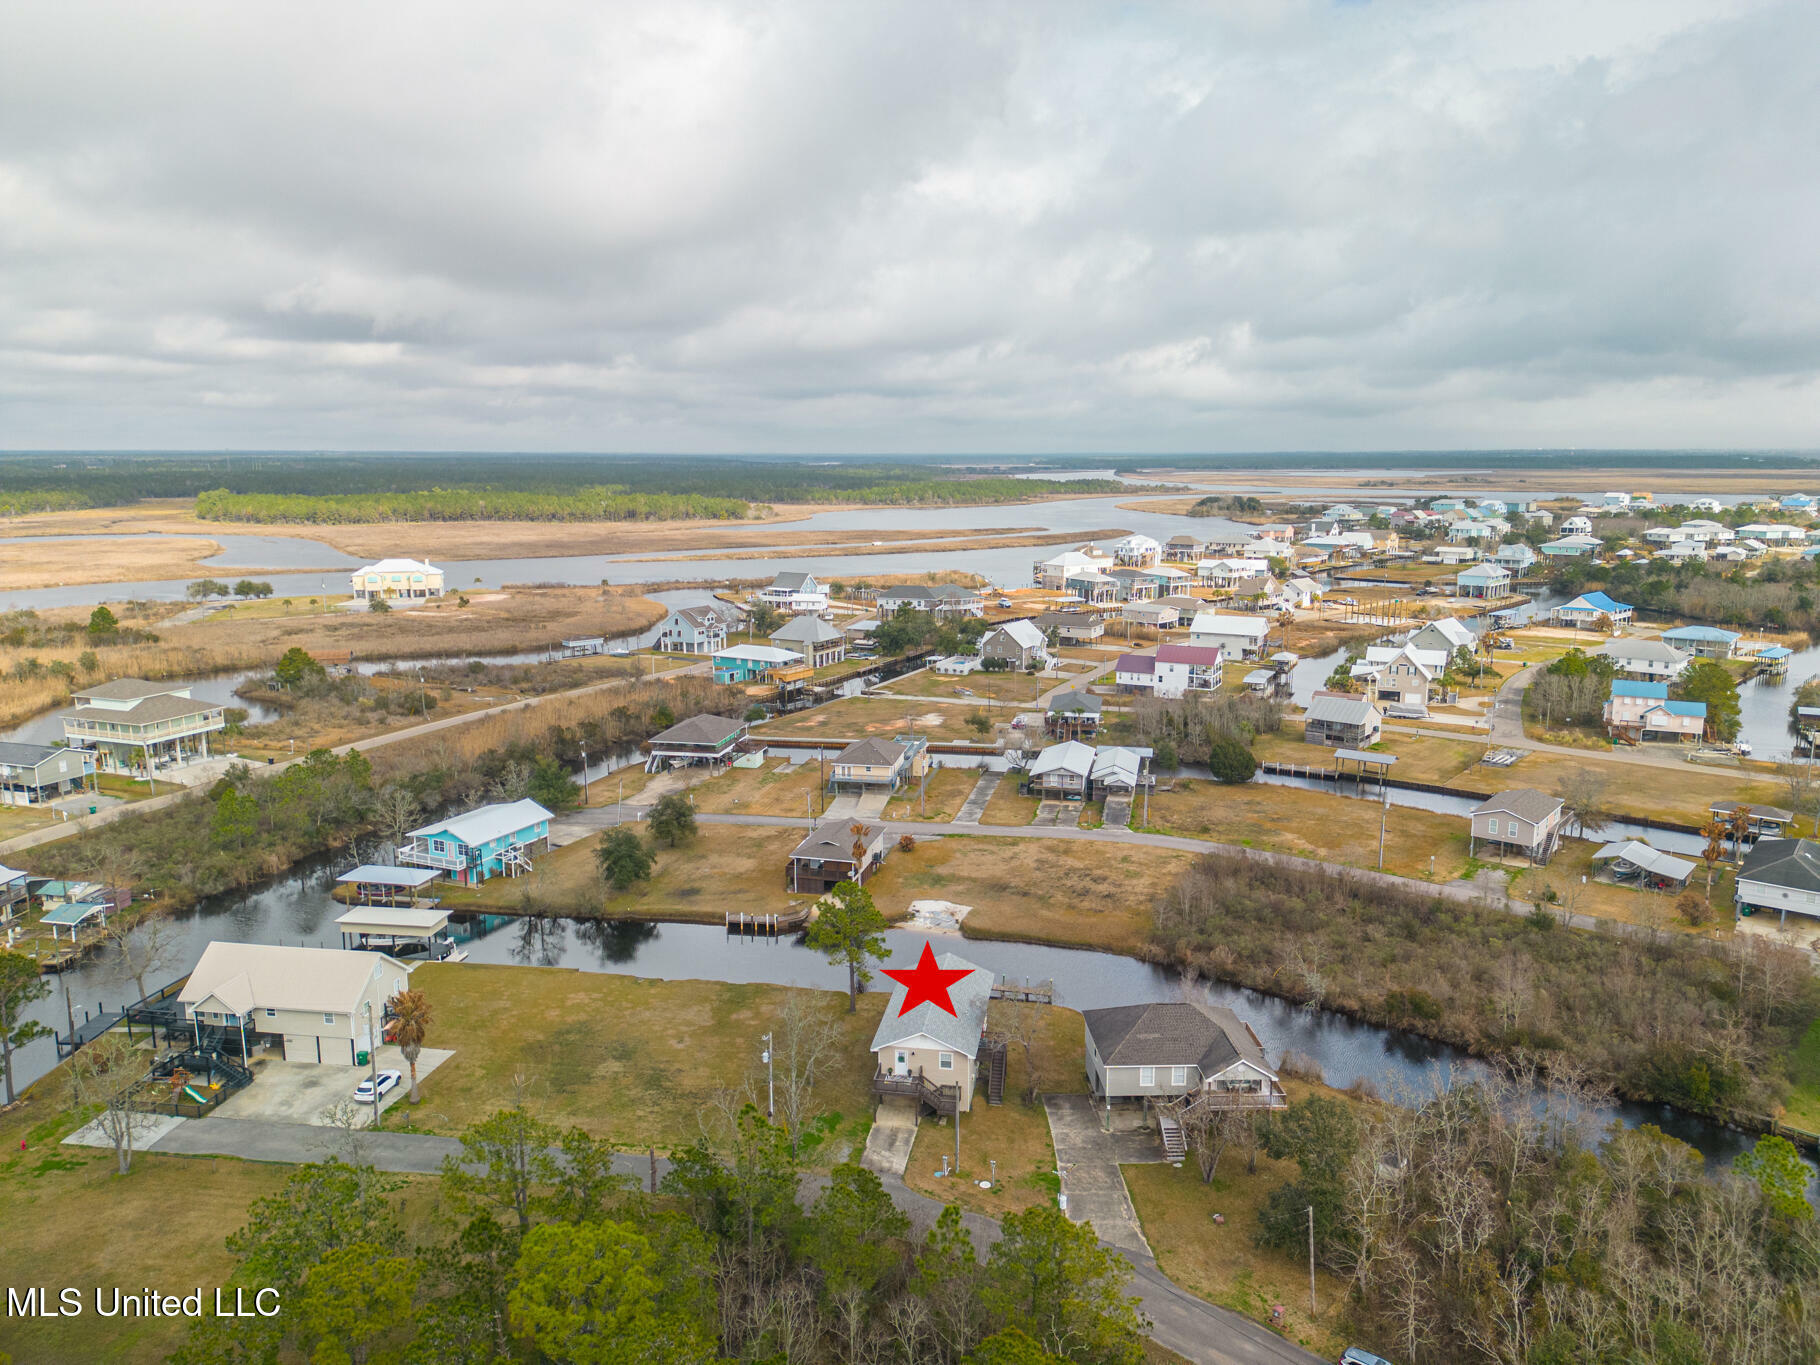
372,1088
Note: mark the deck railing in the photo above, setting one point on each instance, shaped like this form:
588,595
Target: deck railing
943,1099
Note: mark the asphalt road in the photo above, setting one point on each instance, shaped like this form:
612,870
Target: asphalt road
1191,1327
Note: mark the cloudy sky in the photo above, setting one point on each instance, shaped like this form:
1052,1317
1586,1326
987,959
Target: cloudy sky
848,226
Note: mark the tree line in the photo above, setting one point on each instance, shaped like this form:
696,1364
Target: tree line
603,503
1482,1223
1707,1027
536,1248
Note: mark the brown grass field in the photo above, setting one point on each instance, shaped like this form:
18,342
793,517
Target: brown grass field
1007,806
998,687
1039,890
853,718
775,789
947,792
1310,824
1218,1260
724,867
634,1061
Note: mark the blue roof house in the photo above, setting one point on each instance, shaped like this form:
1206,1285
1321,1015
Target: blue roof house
1586,609
1706,642
1798,502
483,843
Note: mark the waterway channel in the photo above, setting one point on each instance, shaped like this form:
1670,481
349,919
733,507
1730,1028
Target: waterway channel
296,908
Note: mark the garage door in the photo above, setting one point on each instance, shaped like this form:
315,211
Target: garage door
302,1047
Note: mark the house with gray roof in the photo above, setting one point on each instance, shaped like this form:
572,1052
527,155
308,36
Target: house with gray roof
929,1054
836,851
1521,820
37,774
1072,627
878,764
1645,660
699,739
795,592
1073,713
133,725
1780,875
819,643
1019,643
1341,720
1176,1050
693,630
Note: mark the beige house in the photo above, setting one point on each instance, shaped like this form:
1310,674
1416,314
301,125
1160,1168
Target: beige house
406,579
878,764
928,1054
1521,820
325,1004
1178,1049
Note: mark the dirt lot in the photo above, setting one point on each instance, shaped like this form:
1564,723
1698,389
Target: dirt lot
690,882
634,1061
947,792
1046,891
1007,806
856,717
1310,824
1000,687
775,789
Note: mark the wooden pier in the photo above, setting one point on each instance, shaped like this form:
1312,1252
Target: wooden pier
762,926
1029,992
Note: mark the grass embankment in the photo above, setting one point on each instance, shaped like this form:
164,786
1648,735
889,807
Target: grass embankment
1015,1134
947,792
853,718
1803,1109
1219,1261
635,1061
724,867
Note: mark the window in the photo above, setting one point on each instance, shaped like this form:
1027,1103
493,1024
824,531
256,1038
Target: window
945,1061
328,1018
271,1014
1491,826
1146,1075
1178,1076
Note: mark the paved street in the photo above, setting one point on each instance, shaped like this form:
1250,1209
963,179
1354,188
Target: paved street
1193,1328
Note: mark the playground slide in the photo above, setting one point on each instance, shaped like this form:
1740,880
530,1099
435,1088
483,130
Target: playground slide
192,1093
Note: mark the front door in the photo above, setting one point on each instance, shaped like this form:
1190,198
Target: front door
903,1064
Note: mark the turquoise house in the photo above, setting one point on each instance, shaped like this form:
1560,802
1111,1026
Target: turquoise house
485,842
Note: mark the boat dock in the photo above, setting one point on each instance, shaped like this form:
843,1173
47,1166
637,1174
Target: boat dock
762,926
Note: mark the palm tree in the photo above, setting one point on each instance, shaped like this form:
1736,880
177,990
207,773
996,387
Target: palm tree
412,1017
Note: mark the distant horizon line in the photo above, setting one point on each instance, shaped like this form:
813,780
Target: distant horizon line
1505,453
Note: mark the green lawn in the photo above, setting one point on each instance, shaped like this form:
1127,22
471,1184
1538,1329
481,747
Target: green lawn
1804,1069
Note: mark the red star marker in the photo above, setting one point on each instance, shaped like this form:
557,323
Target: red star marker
927,982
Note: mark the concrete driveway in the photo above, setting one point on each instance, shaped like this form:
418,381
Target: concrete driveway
975,804
1088,1158
304,1092
891,1137
1054,814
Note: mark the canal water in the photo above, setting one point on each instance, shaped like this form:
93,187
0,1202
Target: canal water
297,909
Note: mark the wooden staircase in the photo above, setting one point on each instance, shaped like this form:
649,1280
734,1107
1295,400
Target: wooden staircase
994,1052
1175,1144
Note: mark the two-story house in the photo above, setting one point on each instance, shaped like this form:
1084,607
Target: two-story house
692,630
819,643
132,725
323,1005
795,593
1641,711
484,842
835,851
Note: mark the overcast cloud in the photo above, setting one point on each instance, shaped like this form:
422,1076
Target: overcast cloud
1038,226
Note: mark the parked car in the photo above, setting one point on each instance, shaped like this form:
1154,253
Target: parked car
1006,602
372,1089
1358,1355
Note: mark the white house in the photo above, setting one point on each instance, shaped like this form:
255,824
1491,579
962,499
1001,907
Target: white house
1516,557
1577,526
397,580
692,630
795,593
1136,673
1483,580
1781,875
326,1005
1445,635
136,726
1589,608
1054,573
1181,669
1238,637
1137,552
1646,660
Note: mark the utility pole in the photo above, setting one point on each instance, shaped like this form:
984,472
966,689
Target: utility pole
957,1131
373,1060
584,774
770,1082
1311,1307
1383,818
